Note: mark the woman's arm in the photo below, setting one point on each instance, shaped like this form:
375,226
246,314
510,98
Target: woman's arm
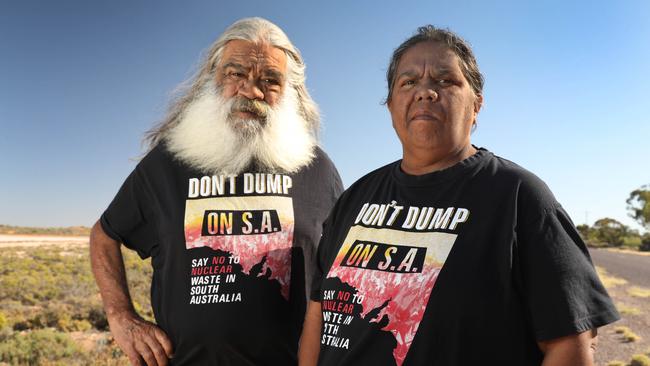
574,350
310,338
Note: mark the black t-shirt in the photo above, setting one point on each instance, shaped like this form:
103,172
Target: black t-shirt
470,265
229,254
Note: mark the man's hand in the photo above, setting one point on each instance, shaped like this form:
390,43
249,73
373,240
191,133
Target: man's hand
141,340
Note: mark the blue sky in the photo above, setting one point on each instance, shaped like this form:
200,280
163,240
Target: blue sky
81,81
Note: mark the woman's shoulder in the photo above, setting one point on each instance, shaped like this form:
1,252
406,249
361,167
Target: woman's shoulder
530,188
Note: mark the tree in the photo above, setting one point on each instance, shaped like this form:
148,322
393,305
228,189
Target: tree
645,243
638,205
583,229
610,231
589,235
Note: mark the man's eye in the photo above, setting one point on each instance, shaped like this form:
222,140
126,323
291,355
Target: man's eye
444,82
236,74
271,81
408,82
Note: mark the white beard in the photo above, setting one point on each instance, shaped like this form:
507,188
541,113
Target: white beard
206,140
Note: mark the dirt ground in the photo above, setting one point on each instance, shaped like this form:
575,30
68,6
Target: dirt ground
614,344
7,241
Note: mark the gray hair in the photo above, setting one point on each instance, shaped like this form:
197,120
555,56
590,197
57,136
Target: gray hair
455,43
247,29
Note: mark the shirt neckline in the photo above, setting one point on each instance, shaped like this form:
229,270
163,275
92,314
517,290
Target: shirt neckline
443,175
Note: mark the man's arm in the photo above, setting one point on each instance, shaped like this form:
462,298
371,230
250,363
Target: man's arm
138,338
310,338
574,350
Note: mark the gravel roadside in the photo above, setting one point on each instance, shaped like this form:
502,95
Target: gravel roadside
626,275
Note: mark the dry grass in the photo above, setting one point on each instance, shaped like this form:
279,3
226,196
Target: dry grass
627,334
627,310
640,360
616,363
628,251
609,281
639,291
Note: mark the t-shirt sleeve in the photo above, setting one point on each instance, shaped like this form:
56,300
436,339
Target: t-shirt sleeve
128,218
558,281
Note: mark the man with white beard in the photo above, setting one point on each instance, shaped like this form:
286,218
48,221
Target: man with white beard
228,203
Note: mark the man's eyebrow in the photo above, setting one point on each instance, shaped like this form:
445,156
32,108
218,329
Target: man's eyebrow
274,74
234,65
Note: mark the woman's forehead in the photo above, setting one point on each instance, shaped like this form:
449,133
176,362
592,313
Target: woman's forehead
429,54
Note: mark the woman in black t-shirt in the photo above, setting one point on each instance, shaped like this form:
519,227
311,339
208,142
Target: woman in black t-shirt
452,255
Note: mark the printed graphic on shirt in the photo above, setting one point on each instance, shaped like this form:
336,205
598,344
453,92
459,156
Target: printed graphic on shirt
379,285
251,235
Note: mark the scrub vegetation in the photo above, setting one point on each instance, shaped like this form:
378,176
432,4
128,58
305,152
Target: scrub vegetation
609,281
68,231
630,335
51,312
639,292
640,360
608,232
627,310
627,334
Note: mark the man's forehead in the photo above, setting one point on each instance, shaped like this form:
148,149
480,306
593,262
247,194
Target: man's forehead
246,53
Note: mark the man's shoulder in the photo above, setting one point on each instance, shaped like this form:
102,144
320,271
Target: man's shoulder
158,157
322,160
320,169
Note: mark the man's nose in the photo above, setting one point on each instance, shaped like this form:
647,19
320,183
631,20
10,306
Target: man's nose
250,90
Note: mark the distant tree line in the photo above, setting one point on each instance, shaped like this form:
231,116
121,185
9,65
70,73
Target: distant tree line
608,232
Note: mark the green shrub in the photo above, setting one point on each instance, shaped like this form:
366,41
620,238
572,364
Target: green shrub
68,324
632,242
645,243
3,320
50,286
97,317
36,347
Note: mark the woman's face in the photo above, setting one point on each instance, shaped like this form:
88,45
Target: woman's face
432,106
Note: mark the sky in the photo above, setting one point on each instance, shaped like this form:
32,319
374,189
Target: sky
81,81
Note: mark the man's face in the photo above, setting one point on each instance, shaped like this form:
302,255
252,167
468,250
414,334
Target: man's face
432,106
254,74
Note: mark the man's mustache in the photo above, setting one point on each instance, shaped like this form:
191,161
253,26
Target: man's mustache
258,108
